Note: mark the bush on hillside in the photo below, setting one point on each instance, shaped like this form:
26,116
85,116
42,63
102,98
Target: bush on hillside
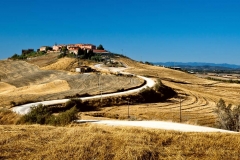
167,92
62,55
228,116
37,115
158,93
82,106
43,115
64,118
28,55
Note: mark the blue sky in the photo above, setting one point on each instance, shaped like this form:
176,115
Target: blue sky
155,31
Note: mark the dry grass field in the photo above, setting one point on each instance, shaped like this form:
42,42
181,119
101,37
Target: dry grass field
89,141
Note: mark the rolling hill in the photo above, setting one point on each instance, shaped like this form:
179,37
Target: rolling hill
25,81
50,78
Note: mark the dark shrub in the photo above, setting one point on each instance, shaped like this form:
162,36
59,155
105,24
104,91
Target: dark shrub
37,115
158,93
64,118
43,115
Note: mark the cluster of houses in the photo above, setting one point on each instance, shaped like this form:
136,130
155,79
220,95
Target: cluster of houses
72,48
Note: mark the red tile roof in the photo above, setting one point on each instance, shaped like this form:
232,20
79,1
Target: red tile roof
100,51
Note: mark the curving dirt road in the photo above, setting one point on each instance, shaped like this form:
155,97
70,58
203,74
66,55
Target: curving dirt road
24,109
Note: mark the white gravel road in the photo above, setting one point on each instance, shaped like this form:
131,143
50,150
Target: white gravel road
157,125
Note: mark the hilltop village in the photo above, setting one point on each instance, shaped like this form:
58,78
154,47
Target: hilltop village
80,50
71,48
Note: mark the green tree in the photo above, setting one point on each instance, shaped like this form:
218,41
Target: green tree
85,54
96,58
148,63
80,52
48,48
90,54
15,56
64,49
100,47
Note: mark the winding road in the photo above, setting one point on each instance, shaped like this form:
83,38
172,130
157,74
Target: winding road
24,109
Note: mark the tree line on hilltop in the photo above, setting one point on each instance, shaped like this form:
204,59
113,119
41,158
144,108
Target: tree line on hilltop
83,54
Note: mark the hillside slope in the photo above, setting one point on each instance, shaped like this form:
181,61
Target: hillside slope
23,82
188,82
198,96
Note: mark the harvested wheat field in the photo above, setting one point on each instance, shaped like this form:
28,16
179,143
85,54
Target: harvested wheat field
89,141
50,61
66,64
44,60
22,82
198,97
188,83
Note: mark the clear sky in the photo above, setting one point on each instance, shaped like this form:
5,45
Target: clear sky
147,30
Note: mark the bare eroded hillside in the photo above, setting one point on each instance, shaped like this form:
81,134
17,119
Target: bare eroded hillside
23,82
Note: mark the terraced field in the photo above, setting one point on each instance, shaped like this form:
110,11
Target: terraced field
198,97
23,82
195,109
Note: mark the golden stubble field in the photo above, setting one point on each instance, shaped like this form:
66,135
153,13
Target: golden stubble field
89,141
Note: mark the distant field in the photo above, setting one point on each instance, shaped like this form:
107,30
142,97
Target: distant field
221,77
